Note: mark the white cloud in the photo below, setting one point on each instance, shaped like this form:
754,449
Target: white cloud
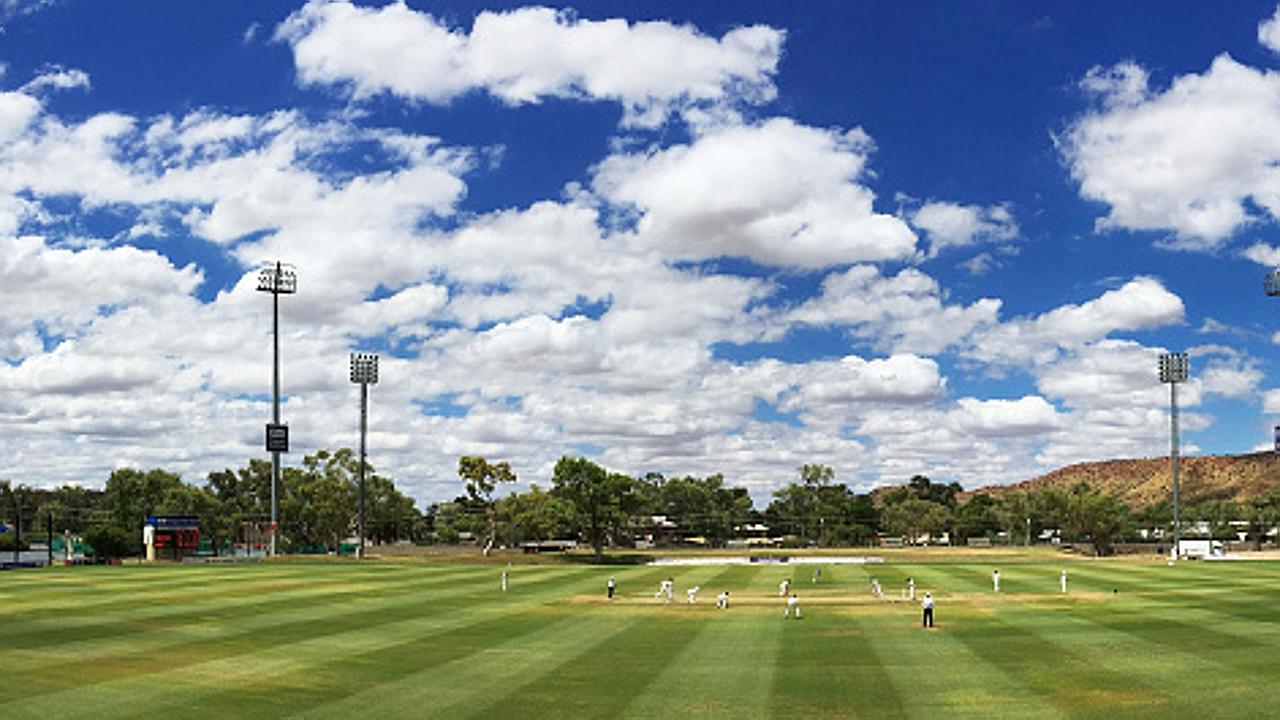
1140,304
58,79
1262,254
1271,402
1269,32
1030,415
1187,159
778,193
955,225
529,54
1122,85
904,313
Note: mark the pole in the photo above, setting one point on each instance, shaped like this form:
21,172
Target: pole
364,424
275,405
1173,460
49,532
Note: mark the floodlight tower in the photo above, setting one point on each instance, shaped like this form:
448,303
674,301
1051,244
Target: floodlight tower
278,279
1173,370
364,371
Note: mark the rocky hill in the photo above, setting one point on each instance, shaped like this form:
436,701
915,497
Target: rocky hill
1141,483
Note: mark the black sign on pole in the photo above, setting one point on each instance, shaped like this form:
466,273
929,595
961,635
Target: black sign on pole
277,438
1278,438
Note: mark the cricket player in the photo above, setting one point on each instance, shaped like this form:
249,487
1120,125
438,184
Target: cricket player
793,607
817,573
875,588
611,586
783,587
995,580
693,593
927,605
504,581
722,600
666,590
1063,580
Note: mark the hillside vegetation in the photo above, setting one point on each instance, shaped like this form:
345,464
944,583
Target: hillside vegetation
1145,482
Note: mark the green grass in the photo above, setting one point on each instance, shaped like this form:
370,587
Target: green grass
1132,640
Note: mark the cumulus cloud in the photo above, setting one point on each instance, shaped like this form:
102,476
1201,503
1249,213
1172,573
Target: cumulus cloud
904,313
1030,415
530,54
1191,159
778,193
1269,32
1140,304
955,225
1262,254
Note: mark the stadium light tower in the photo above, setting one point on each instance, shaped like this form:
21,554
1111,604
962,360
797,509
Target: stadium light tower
364,371
1173,370
278,279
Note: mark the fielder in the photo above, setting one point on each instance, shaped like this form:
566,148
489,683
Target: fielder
875,588
995,580
783,587
911,589
610,587
666,590
693,593
793,607
1063,579
722,600
504,581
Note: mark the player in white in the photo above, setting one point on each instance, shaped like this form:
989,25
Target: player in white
1063,580
505,580
611,586
927,605
666,590
793,607
817,573
783,587
875,588
693,593
911,589
995,580
722,600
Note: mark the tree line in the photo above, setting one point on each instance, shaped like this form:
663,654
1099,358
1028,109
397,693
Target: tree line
317,506
601,508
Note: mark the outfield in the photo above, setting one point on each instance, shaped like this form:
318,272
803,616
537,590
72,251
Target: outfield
406,639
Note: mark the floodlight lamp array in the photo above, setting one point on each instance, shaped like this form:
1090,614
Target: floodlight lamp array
364,368
1271,283
1173,367
279,279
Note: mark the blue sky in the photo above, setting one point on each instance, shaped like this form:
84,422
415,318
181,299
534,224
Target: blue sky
689,238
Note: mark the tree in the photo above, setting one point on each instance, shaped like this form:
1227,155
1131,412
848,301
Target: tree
601,500
1093,516
977,518
482,478
534,516
914,517
131,496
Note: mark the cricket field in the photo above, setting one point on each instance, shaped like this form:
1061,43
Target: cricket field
388,639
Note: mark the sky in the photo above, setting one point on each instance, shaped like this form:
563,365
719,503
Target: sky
948,239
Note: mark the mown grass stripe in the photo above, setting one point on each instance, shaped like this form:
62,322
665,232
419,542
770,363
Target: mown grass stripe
210,629
601,682
477,680
826,671
937,676
725,671
270,649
